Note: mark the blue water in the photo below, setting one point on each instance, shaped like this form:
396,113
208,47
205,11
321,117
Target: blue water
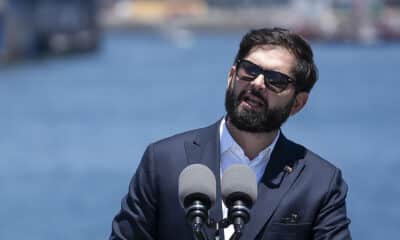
73,129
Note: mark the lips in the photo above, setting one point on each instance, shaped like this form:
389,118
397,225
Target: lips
253,101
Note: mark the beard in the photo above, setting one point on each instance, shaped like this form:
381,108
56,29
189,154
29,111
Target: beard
264,121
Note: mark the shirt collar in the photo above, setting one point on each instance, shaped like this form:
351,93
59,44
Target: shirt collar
227,142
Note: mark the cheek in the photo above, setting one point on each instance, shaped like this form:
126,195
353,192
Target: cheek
280,103
273,101
239,86
281,99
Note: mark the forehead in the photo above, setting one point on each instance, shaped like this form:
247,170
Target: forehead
272,57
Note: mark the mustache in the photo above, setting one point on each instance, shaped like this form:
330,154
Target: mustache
253,92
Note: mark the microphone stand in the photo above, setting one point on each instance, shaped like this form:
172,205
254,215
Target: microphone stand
238,232
224,223
239,215
197,214
198,232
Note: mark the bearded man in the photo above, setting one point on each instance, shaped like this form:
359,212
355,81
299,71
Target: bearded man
300,195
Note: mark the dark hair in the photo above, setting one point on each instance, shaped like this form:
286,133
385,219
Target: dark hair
305,71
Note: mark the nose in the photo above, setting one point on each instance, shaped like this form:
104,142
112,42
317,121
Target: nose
258,83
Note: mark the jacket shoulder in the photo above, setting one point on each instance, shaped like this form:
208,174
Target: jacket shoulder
179,137
317,161
312,159
192,135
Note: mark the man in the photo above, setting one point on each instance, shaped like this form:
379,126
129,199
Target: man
300,195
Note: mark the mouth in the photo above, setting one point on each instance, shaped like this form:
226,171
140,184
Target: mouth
253,102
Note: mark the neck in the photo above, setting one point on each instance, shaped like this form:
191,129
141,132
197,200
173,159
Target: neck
251,143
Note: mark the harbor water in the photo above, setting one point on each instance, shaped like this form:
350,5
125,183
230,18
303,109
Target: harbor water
72,129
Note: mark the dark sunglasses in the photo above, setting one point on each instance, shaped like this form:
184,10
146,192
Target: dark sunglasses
275,81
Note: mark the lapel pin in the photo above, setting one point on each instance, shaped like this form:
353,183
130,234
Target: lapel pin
288,169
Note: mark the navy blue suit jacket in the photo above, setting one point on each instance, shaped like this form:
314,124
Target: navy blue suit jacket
306,203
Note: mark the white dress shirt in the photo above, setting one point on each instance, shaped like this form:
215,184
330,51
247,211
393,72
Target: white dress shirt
232,153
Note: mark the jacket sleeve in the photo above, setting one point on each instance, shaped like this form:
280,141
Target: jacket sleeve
332,222
137,217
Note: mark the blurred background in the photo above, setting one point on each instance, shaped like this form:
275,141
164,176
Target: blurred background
86,85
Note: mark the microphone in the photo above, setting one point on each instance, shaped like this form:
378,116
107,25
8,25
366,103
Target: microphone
239,193
197,193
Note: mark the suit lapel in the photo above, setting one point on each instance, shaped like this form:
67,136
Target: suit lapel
275,183
204,149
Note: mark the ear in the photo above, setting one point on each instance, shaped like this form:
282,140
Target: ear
299,102
231,74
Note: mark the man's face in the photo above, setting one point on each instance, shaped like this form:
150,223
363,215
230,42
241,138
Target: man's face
251,106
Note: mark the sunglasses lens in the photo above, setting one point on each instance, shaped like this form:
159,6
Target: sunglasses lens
247,71
276,81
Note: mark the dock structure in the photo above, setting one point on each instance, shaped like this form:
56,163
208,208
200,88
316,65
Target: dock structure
4,48
330,20
30,28
2,30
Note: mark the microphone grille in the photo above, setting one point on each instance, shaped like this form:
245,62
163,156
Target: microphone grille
239,180
199,180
